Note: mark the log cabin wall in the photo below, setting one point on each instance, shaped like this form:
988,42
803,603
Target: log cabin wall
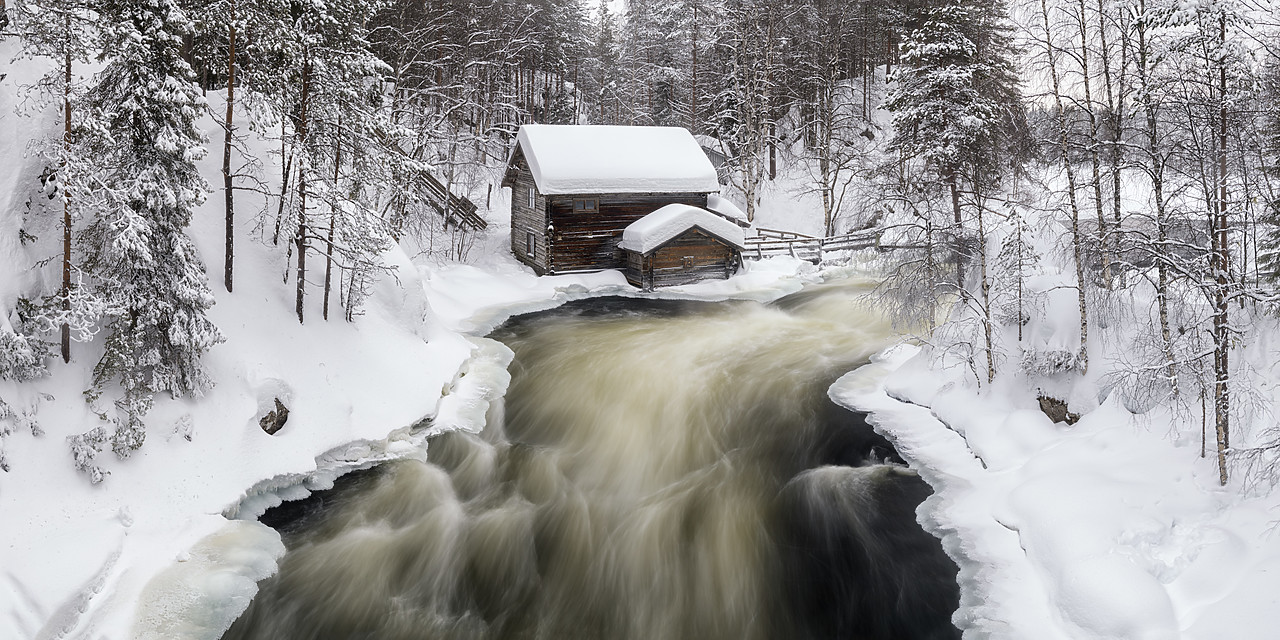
587,241
527,222
637,272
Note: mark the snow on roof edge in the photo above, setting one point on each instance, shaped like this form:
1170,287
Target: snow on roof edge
665,224
569,159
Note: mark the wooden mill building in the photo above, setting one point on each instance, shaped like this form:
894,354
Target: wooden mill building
576,188
680,244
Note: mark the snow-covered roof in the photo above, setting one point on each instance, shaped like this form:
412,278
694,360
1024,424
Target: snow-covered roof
662,226
717,203
611,159
709,142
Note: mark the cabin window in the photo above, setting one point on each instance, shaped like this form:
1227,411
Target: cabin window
586,205
532,199
530,244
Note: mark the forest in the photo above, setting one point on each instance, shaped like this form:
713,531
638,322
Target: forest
1131,143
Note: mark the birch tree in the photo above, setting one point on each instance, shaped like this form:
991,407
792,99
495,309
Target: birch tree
1068,168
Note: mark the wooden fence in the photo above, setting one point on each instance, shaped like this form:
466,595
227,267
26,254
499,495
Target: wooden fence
772,242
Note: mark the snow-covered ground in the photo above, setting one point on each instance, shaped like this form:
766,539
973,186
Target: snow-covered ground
1111,528
1105,529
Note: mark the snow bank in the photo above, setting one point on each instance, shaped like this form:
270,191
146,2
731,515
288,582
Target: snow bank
1099,530
615,159
662,226
207,589
18,182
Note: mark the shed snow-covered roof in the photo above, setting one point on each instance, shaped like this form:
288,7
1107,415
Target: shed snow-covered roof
662,226
567,159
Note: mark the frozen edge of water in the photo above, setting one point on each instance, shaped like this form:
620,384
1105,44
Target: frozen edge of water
201,594
987,553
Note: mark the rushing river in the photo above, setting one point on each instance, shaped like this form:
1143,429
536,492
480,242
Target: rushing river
663,470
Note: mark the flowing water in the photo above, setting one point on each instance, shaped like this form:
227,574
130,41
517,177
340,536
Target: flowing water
663,470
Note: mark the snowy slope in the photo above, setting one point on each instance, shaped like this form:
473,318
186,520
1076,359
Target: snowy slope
75,556
19,179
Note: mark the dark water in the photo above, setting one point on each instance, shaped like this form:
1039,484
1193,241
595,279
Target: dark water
661,470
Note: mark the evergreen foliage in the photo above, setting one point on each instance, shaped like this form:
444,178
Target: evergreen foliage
956,102
145,141
377,103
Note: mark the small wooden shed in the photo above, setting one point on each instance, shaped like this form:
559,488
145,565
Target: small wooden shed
680,244
575,188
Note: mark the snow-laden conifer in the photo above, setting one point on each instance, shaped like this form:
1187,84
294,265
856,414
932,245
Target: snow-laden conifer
955,102
146,139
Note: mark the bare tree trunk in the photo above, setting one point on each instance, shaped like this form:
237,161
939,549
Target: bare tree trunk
694,121
229,256
957,230
825,124
767,111
985,288
1221,321
284,187
773,148
301,238
1204,423
1115,109
333,221
1157,189
1020,259
931,268
66,196
1094,141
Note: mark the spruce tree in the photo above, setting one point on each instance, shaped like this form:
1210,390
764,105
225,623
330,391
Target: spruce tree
146,137
956,104
603,73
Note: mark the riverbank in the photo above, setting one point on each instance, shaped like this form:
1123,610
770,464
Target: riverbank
1108,528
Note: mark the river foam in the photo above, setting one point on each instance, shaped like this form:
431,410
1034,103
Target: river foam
657,470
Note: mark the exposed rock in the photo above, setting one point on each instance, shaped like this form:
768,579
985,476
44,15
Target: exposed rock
272,422
1057,410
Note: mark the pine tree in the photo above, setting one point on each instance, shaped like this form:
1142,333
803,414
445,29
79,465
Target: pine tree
146,137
